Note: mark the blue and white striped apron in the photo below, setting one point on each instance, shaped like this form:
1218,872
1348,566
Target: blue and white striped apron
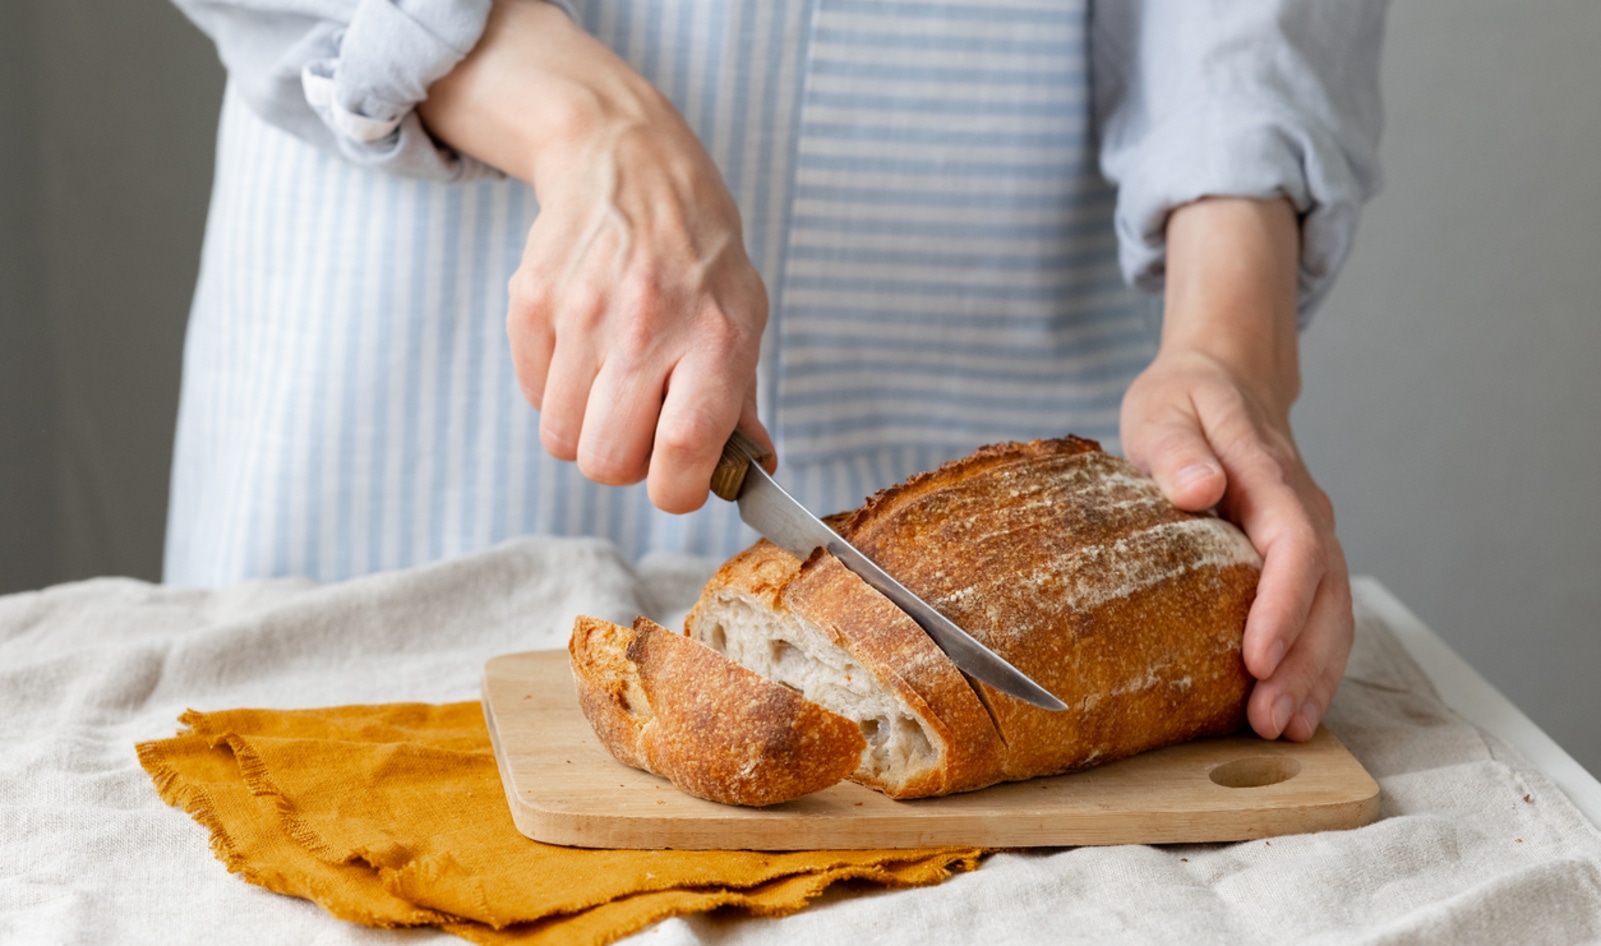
919,192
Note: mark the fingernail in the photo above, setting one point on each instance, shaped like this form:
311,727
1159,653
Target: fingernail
1193,473
1275,653
1310,712
1282,708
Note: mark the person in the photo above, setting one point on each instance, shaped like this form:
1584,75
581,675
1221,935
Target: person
872,236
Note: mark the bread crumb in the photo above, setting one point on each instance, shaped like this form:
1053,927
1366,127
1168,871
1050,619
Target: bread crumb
1527,798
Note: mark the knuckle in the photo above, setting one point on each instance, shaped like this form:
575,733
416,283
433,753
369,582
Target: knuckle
642,316
643,296
635,339
692,434
609,469
559,450
756,298
673,498
557,444
1169,438
732,333
722,334
1323,506
529,292
1315,555
683,436
1282,454
533,392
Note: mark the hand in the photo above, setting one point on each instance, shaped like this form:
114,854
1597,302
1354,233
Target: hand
1209,419
635,317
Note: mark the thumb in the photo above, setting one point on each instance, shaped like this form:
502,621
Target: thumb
750,425
1178,457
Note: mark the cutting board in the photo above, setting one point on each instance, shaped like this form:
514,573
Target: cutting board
565,788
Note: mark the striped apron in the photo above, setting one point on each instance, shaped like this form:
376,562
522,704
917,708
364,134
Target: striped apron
919,192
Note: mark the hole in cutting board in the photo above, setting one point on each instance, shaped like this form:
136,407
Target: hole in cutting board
1256,771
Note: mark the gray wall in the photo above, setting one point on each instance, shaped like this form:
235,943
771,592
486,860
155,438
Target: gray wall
103,204
1453,383
27,450
1452,405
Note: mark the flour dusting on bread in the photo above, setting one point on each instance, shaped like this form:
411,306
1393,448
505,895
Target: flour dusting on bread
1095,574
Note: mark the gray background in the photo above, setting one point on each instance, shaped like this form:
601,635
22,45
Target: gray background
1452,404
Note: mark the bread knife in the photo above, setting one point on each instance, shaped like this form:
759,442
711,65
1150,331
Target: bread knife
782,520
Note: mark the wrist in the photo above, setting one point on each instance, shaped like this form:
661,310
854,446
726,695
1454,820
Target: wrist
535,93
1231,294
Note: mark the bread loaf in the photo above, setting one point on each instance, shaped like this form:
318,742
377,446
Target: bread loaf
1063,559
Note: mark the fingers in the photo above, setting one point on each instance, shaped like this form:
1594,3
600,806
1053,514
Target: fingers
1293,569
566,396
1182,462
619,423
1293,700
702,406
1164,434
1298,634
656,404
530,334
753,428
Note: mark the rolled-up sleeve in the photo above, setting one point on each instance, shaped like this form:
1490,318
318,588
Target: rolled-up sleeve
347,74
1249,98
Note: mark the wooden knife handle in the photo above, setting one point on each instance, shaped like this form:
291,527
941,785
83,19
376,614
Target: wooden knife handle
738,454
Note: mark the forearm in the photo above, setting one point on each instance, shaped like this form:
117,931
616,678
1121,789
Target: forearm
1231,293
533,91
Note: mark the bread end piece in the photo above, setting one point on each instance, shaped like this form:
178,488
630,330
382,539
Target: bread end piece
661,702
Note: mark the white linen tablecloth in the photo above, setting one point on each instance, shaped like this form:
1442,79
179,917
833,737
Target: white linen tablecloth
1472,844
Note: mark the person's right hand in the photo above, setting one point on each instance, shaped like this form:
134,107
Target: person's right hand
636,317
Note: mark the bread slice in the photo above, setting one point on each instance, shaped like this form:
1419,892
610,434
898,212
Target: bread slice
819,629
664,703
1063,559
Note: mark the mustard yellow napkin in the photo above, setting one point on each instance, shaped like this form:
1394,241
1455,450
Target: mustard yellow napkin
394,816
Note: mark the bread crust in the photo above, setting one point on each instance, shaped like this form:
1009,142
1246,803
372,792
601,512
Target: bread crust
1071,564
713,728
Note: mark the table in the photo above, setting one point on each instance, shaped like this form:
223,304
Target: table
1467,692
1475,841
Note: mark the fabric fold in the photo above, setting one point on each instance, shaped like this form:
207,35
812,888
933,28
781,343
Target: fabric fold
393,815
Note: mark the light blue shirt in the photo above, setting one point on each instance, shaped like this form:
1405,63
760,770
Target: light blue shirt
946,202
1251,98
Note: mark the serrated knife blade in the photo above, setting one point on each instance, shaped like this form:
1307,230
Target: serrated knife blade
769,509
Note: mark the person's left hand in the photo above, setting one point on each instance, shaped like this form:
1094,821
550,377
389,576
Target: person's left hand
1209,419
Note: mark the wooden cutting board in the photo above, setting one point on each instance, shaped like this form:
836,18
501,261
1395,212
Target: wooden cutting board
565,788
